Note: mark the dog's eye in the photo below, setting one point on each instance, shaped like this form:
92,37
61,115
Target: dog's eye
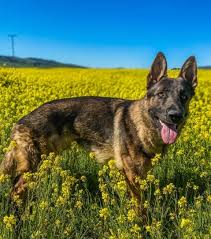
161,95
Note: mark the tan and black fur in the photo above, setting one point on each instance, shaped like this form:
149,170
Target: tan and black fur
127,130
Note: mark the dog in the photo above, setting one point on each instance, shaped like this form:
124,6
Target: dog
130,131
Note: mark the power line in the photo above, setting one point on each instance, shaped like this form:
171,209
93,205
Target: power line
12,36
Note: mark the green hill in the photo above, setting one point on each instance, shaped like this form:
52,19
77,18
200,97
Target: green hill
9,61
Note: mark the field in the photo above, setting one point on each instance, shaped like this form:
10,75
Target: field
71,196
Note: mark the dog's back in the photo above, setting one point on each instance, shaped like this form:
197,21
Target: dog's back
54,125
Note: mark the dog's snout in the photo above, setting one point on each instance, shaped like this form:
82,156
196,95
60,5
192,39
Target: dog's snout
175,116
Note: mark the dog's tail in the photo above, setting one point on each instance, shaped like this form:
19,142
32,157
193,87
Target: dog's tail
22,156
8,165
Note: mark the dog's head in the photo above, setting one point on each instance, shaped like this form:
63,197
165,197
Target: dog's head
168,98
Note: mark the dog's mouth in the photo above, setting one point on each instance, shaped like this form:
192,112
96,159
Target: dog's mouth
168,132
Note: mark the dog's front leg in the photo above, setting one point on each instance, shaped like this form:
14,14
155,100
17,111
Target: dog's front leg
134,169
130,176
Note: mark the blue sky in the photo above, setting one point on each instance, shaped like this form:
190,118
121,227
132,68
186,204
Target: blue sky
108,33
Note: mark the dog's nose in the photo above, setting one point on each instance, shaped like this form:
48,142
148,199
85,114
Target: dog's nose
175,116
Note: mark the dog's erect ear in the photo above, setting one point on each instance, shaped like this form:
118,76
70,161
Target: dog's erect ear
158,70
189,71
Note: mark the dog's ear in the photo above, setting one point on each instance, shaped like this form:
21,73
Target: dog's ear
158,70
189,71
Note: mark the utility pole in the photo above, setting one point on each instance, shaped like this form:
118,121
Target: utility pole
12,37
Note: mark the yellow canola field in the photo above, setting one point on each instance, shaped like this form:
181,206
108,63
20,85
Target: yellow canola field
71,196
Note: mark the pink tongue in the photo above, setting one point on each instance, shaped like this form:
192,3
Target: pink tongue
168,135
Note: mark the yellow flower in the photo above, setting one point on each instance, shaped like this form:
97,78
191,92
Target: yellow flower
105,168
121,187
27,176
92,155
157,225
9,221
16,199
12,145
60,201
104,213
203,174
112,164
209,198
43,205
4,178
31,185
143,185
185,223
67,230
131,215
100,173
105,197
180,152
156,159
157,192
150,178
64,173
182,202
36,234
157,181
46,164
83,178
169,189
146,204
134,202
135,229
148,228
112,237
78,204
121,219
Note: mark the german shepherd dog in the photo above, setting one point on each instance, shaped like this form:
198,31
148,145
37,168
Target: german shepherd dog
130,131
